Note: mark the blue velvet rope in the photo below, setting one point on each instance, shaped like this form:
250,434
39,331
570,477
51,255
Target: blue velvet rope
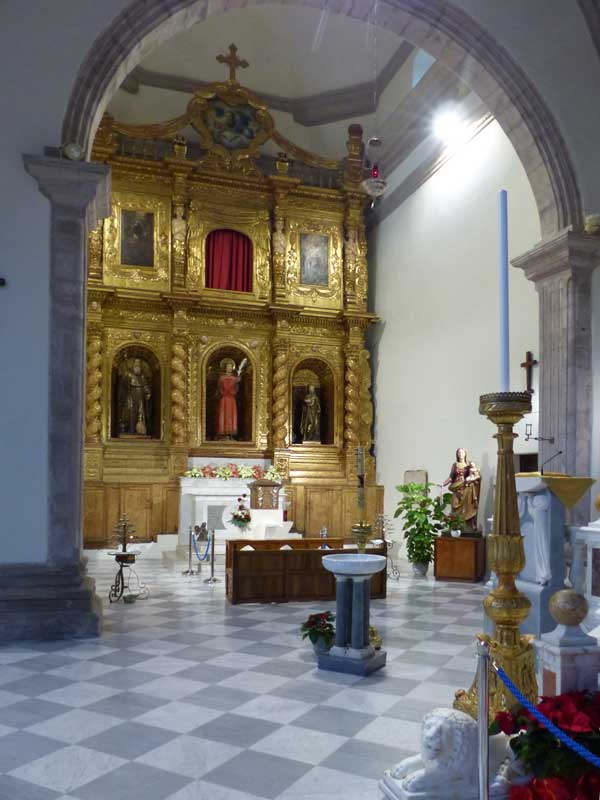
198,556
560,735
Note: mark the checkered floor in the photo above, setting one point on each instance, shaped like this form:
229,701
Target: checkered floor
188,698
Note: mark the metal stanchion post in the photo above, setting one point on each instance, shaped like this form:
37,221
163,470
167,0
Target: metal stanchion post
483,711
212,578
190,570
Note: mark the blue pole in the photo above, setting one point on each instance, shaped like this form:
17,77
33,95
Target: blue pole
503,291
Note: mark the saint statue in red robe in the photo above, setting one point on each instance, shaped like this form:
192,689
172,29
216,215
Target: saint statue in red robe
227,389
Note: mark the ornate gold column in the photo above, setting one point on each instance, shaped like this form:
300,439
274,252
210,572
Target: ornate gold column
355,250
352,397
179,168
178,450
505,604
93,396
281,398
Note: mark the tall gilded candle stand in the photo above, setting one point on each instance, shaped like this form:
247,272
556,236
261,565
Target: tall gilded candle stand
505,605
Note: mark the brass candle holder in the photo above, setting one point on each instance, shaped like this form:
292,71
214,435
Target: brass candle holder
505,605
361,531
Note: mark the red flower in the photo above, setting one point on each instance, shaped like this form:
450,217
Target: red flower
506,721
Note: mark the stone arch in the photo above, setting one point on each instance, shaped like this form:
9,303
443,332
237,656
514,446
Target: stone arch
446,32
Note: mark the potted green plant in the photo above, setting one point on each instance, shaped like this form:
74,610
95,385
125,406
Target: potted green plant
320,630
424,518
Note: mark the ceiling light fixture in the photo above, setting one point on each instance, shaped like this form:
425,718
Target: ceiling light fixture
373,183
450,127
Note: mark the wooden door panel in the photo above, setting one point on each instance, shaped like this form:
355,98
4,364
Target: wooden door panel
136,502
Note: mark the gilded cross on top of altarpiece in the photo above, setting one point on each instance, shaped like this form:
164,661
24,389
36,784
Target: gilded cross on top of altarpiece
233,62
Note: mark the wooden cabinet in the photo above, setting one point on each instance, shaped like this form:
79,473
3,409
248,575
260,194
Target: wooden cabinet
152,508
459,559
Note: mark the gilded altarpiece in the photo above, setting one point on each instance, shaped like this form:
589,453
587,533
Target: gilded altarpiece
158,337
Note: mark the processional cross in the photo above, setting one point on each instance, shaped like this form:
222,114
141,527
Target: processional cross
233,62
528,365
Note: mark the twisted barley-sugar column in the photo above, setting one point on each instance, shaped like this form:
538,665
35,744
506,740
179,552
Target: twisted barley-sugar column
178,385
351,397
280,394
93,410
505,605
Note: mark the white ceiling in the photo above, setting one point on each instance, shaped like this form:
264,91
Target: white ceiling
293,51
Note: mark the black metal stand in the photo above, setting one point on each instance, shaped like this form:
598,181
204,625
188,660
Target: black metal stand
212,578
190,570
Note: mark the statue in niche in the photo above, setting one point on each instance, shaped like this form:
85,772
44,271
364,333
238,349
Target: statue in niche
464,482
179,230
227,391
134,403
310,422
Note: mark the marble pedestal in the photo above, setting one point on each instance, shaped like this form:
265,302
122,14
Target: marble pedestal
585,571
352,652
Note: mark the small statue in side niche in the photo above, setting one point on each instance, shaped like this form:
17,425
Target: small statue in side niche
464,482
310,422
134,400
227,390
179,229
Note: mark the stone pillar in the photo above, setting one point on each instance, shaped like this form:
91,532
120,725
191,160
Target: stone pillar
561,270
343,622
55,598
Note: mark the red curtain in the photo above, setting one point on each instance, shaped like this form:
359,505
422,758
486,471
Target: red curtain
229,261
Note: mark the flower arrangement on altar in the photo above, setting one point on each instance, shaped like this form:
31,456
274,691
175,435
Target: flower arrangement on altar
230,471
555,771
241,516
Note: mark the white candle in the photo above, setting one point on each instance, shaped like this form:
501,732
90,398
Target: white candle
503,291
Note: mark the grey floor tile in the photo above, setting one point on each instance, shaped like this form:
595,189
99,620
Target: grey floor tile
16,789
126,705
308,691
234,729
334,720
412,709
364,758
453,677
124,679
46,662
222,698
266,775
417,657
28,712
19,748
40,684
284,667
133,782
129,740
267,650
380,682
124,658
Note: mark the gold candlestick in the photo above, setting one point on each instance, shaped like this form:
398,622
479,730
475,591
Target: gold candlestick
361,531
505,605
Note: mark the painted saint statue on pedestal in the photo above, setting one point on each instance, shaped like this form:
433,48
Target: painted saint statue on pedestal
227,391
135,400
464,482
310,422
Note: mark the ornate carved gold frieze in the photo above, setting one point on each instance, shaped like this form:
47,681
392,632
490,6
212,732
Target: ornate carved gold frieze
136,218
93,411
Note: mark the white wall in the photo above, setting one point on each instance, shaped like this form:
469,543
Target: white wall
434,267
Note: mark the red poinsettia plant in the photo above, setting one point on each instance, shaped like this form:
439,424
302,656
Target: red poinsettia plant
319,626
558,772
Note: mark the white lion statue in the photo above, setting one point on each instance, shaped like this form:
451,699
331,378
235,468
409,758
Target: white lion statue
447,768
